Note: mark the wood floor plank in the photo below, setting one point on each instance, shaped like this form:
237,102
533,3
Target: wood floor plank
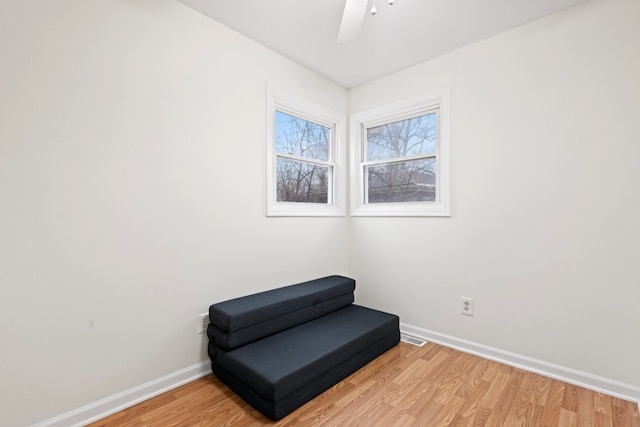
536,418
521,410
570,400
585,410
481,368
496,388
446,414
602,420
471,392
602,403
501,409
411,385
567,418
541,390
449,385
481,417
429,407
551,412
408,386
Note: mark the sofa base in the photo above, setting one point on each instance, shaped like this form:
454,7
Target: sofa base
280,408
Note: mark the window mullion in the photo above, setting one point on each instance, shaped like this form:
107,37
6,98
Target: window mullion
305,159
399,160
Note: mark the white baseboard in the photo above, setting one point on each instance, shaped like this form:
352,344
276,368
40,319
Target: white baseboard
572,376
117,402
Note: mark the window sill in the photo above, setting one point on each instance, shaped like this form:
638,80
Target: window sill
402,209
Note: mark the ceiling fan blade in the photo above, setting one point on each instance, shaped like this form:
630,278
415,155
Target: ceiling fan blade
352,18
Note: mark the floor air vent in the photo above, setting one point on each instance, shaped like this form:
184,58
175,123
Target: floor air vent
412,340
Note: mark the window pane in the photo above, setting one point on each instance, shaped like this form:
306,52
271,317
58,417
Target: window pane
302,182
405,138
299,137
413,181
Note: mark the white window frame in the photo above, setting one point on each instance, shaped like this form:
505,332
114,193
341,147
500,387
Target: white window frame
437,100
279,101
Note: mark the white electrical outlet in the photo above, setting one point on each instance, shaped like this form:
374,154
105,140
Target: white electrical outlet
203,323
466,306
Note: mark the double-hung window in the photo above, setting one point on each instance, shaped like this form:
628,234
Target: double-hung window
304,165
400,156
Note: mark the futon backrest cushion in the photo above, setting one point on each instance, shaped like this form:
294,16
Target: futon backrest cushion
242,320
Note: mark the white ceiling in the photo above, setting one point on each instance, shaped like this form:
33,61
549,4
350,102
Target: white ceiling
398,36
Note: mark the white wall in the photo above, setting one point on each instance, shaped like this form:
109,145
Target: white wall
132,194
546,210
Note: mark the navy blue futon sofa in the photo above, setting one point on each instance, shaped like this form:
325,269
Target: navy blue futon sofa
280,348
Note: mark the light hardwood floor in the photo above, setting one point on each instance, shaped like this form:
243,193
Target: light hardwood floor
407,386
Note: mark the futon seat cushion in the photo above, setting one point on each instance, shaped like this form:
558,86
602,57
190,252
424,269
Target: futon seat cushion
242,320
280,408
276,366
